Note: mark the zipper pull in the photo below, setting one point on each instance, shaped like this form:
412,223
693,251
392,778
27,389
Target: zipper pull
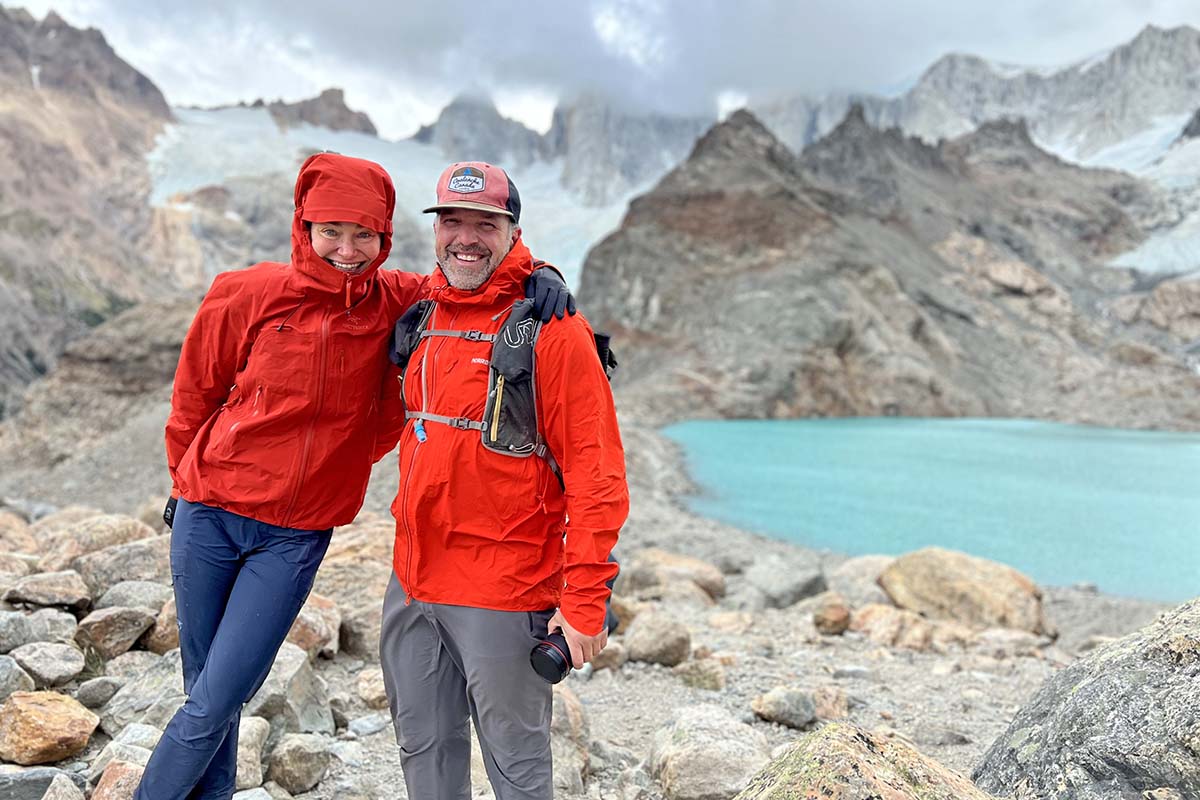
419,429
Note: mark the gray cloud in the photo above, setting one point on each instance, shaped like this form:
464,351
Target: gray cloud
402,61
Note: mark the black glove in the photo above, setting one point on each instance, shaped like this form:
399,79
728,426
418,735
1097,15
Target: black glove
550,294
169,511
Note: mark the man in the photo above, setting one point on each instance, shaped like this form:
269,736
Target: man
502,535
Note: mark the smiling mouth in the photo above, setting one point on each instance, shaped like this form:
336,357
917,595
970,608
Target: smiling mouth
468,258
343,266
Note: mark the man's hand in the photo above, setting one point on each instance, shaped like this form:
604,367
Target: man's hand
551,297
583,647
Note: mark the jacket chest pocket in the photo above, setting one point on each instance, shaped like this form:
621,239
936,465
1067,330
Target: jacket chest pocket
284,362
358,374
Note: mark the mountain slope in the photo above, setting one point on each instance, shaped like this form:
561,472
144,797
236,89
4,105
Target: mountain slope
879,275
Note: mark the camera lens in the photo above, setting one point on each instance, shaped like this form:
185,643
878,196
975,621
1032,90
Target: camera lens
550,658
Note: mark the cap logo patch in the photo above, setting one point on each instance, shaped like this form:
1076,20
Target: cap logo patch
465,180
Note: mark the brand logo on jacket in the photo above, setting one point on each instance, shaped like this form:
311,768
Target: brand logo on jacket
465,181
356,323
522,336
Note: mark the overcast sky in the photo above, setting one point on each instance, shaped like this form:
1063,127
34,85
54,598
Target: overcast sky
402,61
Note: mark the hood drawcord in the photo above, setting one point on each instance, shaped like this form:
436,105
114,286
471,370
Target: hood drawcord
348,303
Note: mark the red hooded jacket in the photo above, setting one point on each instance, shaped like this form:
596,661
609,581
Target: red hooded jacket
276,410
479,528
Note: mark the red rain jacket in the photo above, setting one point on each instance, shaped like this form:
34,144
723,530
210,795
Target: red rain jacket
276,410
478,528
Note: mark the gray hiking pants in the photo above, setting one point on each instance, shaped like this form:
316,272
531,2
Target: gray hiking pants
444,665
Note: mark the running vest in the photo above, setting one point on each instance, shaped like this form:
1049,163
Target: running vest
510,420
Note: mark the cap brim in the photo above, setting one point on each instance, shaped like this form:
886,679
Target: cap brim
469,206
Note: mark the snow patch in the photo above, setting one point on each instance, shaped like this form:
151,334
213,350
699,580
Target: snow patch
35,71
1138,153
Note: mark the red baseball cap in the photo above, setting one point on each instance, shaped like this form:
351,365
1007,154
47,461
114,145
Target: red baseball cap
479,187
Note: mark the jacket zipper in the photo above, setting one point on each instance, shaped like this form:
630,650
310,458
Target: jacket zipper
494,428
312,422
407,584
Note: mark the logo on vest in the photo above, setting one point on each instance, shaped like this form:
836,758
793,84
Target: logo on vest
465,180
522,336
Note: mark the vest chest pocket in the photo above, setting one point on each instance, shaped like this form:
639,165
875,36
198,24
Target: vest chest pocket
511,405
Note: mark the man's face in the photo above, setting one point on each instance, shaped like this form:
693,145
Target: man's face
470,244
345,246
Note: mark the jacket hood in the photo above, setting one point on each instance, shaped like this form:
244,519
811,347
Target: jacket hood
337,188
507,282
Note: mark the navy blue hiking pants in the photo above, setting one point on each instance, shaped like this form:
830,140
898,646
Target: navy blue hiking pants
239,585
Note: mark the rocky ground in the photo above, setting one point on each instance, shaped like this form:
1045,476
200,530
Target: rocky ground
735,646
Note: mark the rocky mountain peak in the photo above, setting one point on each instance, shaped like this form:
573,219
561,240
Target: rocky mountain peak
471,128
856,148
326,110
739,138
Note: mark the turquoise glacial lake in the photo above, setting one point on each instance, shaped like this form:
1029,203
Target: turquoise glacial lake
1062,503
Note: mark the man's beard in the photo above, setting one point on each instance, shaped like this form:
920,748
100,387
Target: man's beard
469,277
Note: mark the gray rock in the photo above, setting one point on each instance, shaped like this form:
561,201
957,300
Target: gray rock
785,581
48,663
98,691
370,724
853,672
299,761
143,560
62,788
15,630
658,638
704,753
788,705
13,678
933,734
64,588
1116,722
257,793
90,535
118,751
857,579
136,594
33,783
112,631
150,697
294,692
52,625
131,664
252,737
276,791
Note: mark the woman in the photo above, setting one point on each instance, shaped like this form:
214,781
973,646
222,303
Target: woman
283,399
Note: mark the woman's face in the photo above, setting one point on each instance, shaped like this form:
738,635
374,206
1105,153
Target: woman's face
345,246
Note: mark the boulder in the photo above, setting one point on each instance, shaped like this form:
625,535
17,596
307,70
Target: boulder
136,594
43,727
897,627
66,589
15,630
783,582
299,762
118,751
704,753
317,627
945,584
831,703
143,560
1117,722
654,567
39,783
613,656
15,566
293,692
119,781
359,635
792,706
61,788
96,692
857,579
703,673
49,663
831,617
568,741
252,738
52,625
15,536
163,636
62,547
131,664
371,689
112,631
659,638
843,762
13,678
50,525
151,696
